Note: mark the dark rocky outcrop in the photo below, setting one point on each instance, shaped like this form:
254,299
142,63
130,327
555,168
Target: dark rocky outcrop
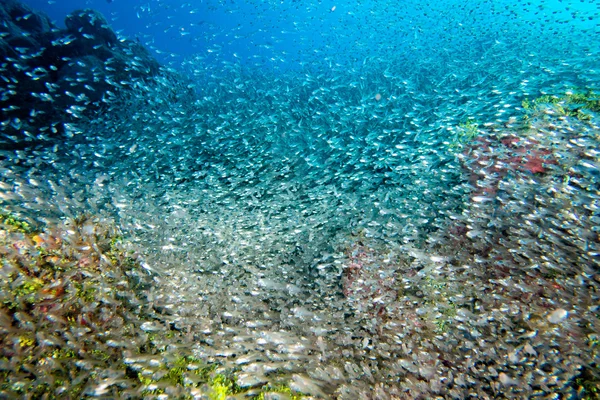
50,76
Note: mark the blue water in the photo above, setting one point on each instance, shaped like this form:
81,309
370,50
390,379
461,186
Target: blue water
286,33
389,197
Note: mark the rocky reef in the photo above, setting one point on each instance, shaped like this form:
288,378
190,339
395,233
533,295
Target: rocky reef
51,76
80,318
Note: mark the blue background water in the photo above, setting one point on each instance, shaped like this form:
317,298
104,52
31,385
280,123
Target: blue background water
291,32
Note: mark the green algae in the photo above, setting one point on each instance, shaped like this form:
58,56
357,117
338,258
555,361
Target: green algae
468,130
189,372
15,223
573,103
279,389
27,289
587,384
221,387
465,132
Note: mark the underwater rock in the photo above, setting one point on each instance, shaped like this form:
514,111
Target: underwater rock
53,76
20,17
91,23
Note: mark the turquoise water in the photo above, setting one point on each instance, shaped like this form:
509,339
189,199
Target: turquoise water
375,200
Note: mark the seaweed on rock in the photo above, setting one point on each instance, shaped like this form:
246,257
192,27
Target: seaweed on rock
77,319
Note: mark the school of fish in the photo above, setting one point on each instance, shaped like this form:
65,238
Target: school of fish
405,208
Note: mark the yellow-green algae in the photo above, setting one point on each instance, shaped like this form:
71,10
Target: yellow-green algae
573,103
10,221
467,131
279,389
464,133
